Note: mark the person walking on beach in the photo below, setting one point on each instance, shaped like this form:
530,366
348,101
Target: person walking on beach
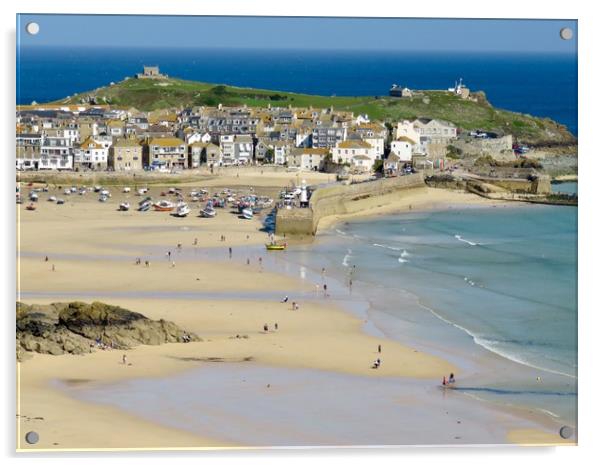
124,359
248,261
265,327
294,305
46,259
230,252
146,263
325,290
195,242
379,348
168,255
173,264
276,326
53,268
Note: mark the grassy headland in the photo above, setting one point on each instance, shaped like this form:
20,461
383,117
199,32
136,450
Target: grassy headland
148,95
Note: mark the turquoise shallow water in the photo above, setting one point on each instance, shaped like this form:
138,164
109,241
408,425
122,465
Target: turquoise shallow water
499,281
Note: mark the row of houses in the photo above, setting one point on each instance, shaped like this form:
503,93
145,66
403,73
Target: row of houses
101,138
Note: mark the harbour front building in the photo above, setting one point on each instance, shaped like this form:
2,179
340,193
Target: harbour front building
167,153
56,153
126,155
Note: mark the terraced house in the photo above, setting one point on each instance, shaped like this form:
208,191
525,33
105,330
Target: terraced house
126,155
167,153
91,154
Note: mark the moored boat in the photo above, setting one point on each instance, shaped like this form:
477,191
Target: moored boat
163,206
182,210
103,198
124,206
145,206
247,213
31,206
275,246
60,201
52,199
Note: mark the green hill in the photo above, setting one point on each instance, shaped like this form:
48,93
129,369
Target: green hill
147,94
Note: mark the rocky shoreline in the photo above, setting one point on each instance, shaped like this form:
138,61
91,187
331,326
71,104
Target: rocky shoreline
80,328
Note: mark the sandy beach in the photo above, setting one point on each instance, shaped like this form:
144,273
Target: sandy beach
226,300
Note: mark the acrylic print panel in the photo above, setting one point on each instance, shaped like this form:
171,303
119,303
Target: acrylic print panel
258,231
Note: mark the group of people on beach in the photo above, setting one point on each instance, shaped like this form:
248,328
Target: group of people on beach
449,381
266,327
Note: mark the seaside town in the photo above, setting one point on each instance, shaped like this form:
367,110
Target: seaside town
141,287
90,137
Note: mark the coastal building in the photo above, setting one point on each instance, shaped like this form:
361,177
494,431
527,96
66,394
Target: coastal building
91,155
28,150
281,150
398,91
307,158
345,151
167,153
56,153
126,155
327,136
403,148
151,72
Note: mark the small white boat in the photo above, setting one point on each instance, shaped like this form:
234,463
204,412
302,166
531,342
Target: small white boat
247,213
124,206
82,191
126,189
73,189
97,189
105,192
66,191
33,196
142,191
103,198
60,201
182,210
52,199
208,212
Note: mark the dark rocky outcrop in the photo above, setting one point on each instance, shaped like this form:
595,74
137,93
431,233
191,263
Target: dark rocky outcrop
79,328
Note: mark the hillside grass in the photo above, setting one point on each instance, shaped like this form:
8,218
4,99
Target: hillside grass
148,95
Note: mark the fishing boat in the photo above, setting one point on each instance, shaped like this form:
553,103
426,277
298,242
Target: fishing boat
103,198
31,206
247,213
182,210
145,206
126,189
52,199
105,192
124,206
60,201
275,246
163,206
209,211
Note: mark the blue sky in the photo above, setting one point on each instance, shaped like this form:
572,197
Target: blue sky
308,33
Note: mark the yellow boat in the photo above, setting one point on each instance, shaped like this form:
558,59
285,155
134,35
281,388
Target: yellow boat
275,247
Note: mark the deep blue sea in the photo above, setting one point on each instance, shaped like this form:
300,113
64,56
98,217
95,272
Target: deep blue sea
539,84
